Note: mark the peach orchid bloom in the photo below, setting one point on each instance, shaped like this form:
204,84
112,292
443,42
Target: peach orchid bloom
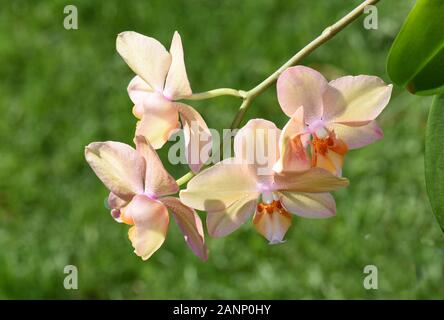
332,117
234,189
161,79
140,186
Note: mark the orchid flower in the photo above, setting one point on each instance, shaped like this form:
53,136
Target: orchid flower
332,117
234,189
160,81
140,188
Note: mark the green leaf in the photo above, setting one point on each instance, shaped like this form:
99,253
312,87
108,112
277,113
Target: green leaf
434,158
416,58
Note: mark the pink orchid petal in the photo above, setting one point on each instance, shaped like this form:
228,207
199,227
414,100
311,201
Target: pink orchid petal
159,121
357,137
177,85
259,138
190,225
294,156
150,225
139,91
146,56
334,103
273,226
158,181
116,214
302,86
309,205
223,222
313,180
119,167
197,137
292,146
257,145
219,186
365,98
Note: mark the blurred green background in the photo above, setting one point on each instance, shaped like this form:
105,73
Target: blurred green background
62,89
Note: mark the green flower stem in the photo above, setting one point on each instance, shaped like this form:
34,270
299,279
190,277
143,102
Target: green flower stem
326,35
248,96
241,112
185,178
216,93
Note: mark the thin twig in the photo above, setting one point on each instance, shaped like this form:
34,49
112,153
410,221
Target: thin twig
216,93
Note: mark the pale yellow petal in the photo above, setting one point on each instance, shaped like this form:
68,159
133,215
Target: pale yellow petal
217,187
119,167
313,180
223,222
159,122
146,56
197,137
365,98
309,205
150,225
177,85
190,225
257,144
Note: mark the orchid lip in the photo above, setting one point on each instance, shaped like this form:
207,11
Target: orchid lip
115,213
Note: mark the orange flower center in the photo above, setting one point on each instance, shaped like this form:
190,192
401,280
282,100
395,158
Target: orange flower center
274,206
323,145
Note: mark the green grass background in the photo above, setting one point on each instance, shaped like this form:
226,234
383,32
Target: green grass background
61,90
